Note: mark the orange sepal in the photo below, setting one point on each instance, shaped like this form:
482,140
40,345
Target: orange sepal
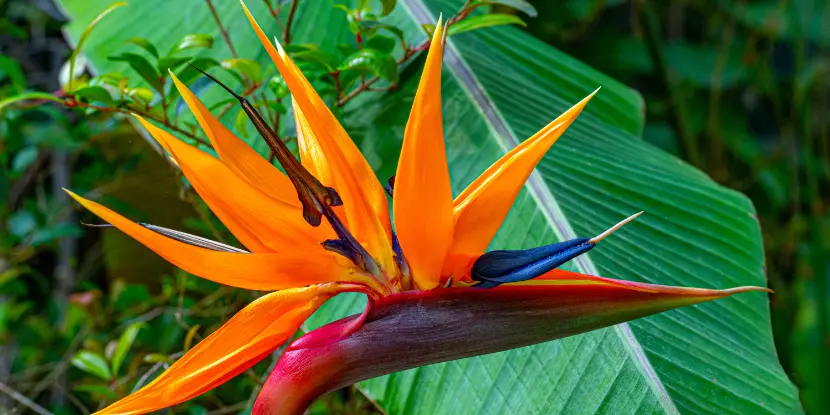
260,222
264,272
249,336
423,194
364,200
481,208
236,154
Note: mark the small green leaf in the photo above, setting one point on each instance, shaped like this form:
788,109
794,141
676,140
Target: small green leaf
387,6
429,28
56,231
156,358
28,96
521,5
484,20
374,62
85,35
171,63
188,74
22,223
124,343
188,338
193,41
382,43
278,107
326,59
111,79
278,86
92,363
140,95
247,67
24,158
97,390
93,94
10,69
143,67
369,27
241,123
144,44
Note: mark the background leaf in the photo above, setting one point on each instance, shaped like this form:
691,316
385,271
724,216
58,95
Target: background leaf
484,20
92,363
712,358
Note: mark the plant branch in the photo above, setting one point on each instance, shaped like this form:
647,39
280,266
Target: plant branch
286,34
23,400
222,29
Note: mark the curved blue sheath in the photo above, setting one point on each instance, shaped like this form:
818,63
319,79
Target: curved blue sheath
498,267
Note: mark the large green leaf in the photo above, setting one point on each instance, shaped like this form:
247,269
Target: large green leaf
500,85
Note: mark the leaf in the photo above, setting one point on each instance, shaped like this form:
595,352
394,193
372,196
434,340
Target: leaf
144,44
482,21
28,96
381,43
278,86
241,123
92,363
247,67
373,62
93,94
24,158
143,67
141,95
387,6
22,223
171,63
326,59
194,41
10,69
124,343
188,338
97,390
85,34
521,5
500,86
188,74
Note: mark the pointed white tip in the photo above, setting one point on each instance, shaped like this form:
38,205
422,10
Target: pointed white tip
613,228
279,46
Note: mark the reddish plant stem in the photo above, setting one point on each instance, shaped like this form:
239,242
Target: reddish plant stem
222,29
286,34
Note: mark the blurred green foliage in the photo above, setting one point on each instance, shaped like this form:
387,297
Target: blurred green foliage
737,88
740,90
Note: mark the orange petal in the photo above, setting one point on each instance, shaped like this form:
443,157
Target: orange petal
238,156
364,200
265,272
423,195
481,208
249,336
261,223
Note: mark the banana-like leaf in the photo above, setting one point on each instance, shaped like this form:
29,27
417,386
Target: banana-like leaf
500,86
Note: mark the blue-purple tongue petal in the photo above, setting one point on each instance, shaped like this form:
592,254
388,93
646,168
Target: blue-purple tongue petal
499,267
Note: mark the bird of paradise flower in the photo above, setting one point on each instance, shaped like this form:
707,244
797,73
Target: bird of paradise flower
434,293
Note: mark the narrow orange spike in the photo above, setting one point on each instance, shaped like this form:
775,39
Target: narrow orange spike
311,155
481,208
364,200
263,272
236,154
249,336
423,194
261,223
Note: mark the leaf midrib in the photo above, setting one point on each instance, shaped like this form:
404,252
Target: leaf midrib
540,192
